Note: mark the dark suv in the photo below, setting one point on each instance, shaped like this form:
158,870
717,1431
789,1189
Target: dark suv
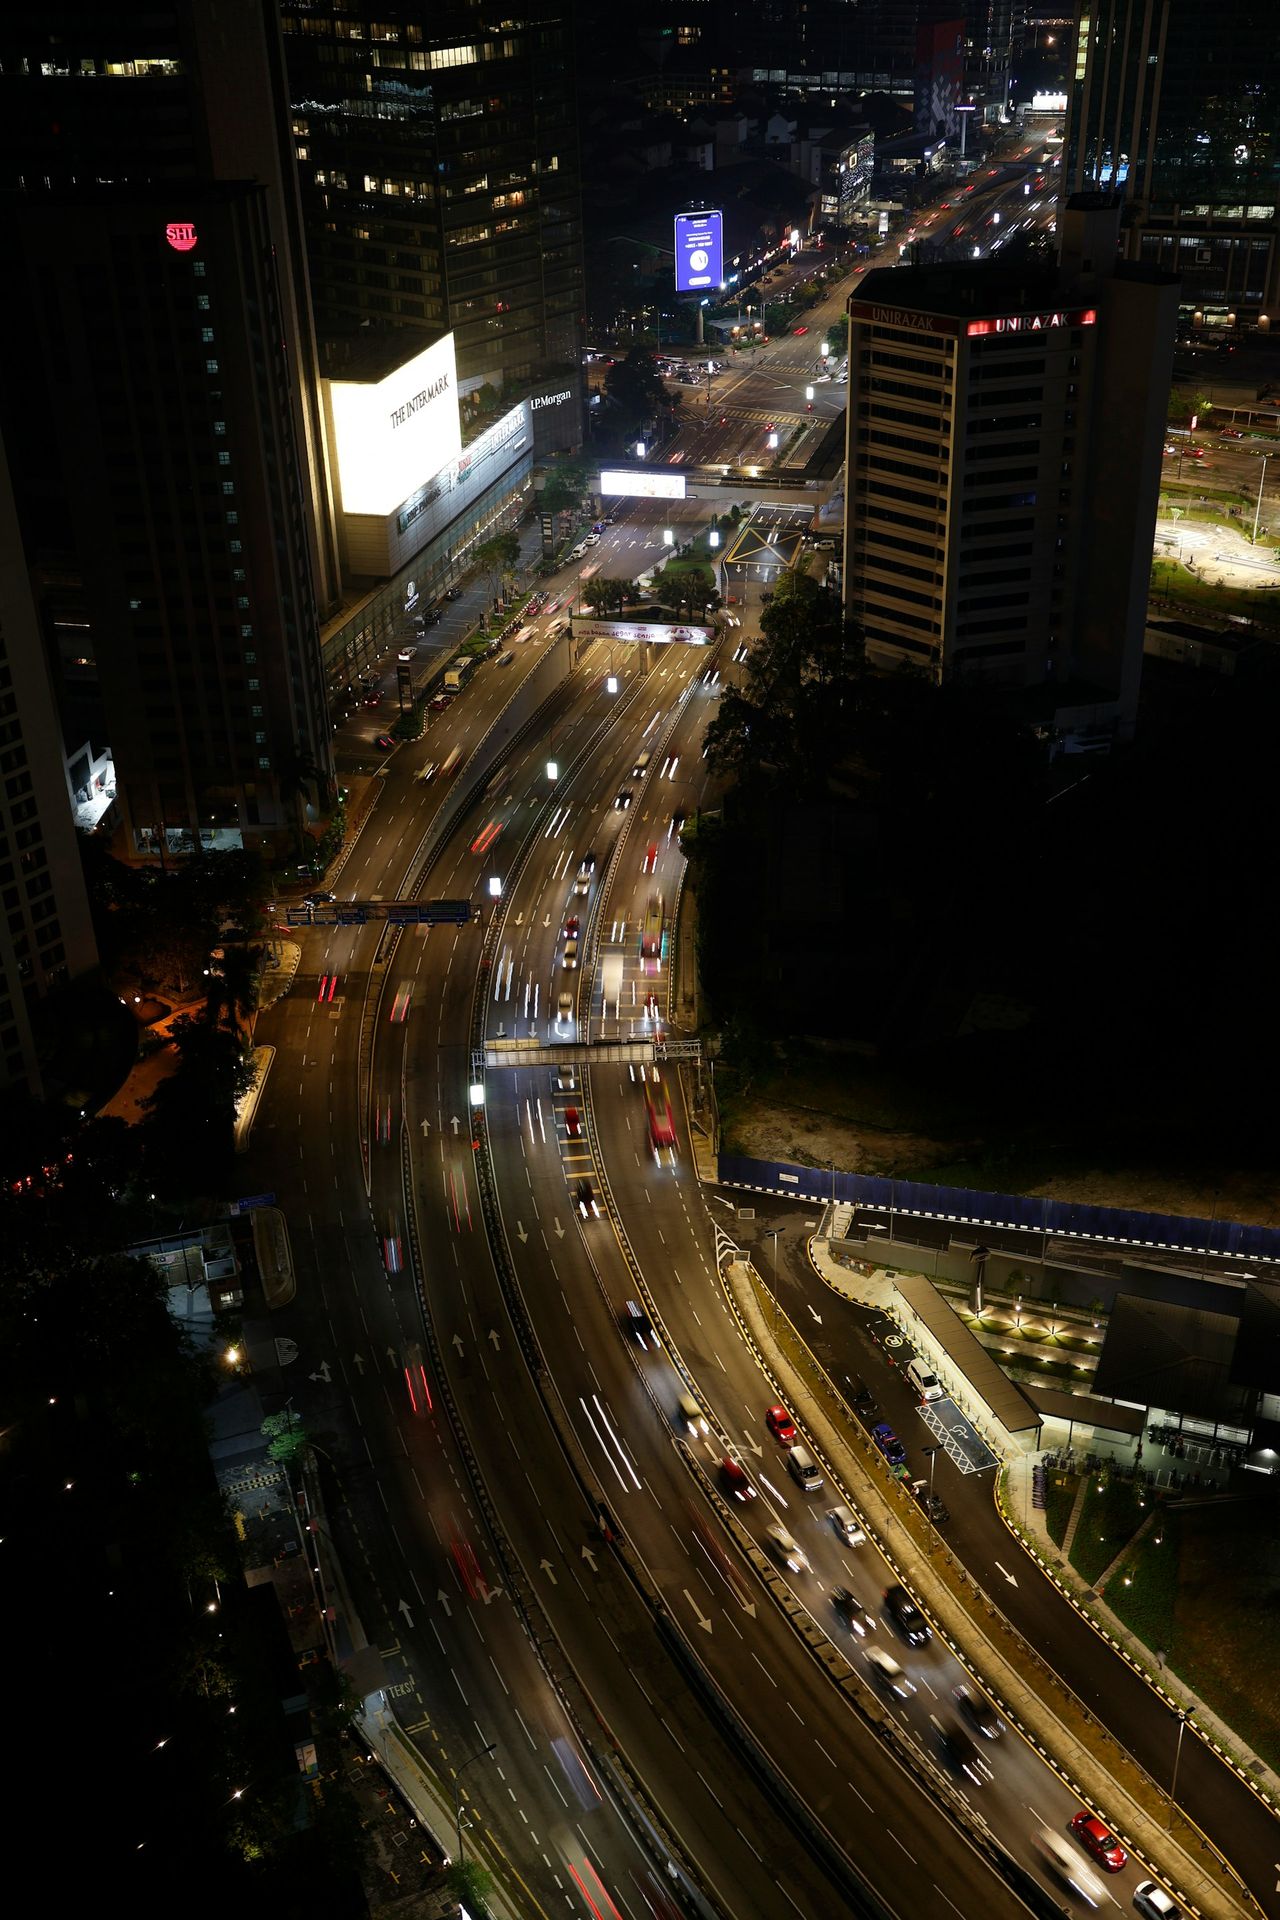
907,1617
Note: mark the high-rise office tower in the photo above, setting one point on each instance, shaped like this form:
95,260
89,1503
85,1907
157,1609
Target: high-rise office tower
1005,428
1175,108
159,403
438,159
46,936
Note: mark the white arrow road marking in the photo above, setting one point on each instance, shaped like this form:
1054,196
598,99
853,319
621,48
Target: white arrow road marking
1011,1578
494,1338
590,1558
404,1609
547,1569
521,1235
703,1621
443,1598
457,1341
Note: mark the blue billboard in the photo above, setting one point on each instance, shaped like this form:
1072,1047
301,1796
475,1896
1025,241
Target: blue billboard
699,252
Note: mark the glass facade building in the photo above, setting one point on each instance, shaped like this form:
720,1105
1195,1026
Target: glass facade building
1176,108
437,156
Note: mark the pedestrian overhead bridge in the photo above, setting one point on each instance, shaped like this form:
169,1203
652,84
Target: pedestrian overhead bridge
578,1053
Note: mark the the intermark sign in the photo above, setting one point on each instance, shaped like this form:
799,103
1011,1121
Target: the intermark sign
393,436
423,398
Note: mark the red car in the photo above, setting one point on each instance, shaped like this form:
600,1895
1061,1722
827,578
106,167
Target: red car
1099,1841
781,1425
571,927
799,330
735,1481
650,858
572,1123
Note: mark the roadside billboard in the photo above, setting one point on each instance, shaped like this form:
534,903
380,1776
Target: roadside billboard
699,251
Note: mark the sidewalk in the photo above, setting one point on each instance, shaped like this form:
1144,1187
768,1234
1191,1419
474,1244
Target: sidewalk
871,1286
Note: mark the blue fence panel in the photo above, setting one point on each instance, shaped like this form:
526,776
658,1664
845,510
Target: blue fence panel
1119,1225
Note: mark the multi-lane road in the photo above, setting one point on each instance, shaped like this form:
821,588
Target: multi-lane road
490,1390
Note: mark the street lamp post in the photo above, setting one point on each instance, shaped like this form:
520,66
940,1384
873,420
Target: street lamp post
479,1754
1257,512
932,1453
773,1233
1184,1714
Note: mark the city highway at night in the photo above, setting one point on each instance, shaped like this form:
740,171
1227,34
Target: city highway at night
684,1651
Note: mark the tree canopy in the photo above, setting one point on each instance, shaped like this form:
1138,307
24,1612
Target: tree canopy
634,386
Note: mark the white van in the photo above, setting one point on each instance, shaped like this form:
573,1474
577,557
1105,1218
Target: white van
556,628
803,1469
925,1381
525,633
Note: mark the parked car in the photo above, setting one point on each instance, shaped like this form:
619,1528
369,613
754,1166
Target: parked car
889,1444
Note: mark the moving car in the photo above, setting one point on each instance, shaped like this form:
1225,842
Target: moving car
845,1525
961,1754
1094,1835
887,1671
1060,1859
851,1610
889,1444
781,1425
641,1325
734,1480
573,1123
650,858
321,898
564,1010
569,958
583,882
570,928
907,1617
623,800
692,1416
585,1198
384,741
979,1712
786,1549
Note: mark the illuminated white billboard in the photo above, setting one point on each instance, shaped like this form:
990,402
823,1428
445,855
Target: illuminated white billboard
391,436
643,486
639,630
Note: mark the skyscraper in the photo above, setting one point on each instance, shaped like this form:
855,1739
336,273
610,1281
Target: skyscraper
46,936
438,159
1004,443
159,401
1176,108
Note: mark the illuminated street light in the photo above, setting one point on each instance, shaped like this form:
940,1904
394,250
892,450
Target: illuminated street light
825,349
713,538
668,538
611,684
808,393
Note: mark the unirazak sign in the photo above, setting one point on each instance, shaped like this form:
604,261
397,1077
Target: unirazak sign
899,317
421,399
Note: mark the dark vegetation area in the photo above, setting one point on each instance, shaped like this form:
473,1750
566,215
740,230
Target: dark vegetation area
136,1652
1062,962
